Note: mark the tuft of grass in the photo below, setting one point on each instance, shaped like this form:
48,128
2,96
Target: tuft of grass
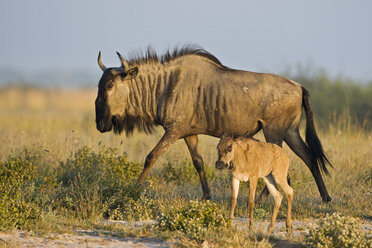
234,237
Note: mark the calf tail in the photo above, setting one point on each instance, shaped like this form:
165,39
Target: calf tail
318,156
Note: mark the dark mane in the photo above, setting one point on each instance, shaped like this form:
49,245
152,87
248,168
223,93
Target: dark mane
150,55
128,123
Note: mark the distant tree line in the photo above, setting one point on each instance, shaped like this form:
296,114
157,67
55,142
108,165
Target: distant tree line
333,97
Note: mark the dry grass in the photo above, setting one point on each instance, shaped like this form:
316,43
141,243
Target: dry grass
61,122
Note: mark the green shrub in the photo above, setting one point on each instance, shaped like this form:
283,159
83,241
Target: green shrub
193,219
336,231
106,166
133,202
17,190
184,172
90,180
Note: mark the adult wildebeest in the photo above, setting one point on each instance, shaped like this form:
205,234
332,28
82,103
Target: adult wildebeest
189,92
249,159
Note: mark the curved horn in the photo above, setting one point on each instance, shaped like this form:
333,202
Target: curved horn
124,64
100,62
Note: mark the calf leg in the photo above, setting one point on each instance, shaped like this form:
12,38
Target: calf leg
165,142
298,146
269,180
281,180
275,138
252,191
192,143
234,195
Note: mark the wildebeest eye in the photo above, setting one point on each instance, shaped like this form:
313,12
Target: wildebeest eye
109,84
229,148
123,75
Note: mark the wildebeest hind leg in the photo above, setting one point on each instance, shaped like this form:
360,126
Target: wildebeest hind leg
165,142
274,137
298,146
192,143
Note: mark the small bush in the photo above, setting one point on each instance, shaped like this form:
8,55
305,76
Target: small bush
90,180
106,166
338,231
17,190
193,219
133,202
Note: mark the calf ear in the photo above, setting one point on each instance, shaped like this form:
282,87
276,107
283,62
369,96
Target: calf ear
132,73
224,135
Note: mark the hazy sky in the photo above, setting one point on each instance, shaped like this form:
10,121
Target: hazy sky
267,35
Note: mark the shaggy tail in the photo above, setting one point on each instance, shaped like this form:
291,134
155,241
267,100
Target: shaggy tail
318,156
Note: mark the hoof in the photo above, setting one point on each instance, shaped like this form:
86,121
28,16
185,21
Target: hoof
206,197
327,199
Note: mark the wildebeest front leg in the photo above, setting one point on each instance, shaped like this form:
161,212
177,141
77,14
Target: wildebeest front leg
165,142
192,143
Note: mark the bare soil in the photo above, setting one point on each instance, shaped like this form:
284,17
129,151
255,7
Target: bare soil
98,239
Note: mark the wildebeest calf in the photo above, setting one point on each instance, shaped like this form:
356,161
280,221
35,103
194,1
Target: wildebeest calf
249,159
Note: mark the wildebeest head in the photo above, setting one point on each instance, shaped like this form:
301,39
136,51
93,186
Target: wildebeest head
113,92
226,148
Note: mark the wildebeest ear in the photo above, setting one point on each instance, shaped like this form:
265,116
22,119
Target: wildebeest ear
132,73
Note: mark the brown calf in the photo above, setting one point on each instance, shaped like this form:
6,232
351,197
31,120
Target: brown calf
249,159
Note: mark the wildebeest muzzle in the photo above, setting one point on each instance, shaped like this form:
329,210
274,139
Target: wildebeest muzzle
103,116
104,126
103,121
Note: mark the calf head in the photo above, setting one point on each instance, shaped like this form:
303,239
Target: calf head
226,148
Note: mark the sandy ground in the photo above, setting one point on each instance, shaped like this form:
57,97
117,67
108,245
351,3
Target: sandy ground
81,239
94,239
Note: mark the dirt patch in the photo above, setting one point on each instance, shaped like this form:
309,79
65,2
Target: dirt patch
98,239
82,238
